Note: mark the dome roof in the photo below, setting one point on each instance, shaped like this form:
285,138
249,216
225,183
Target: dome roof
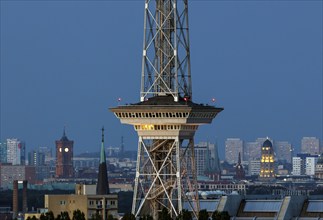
267,143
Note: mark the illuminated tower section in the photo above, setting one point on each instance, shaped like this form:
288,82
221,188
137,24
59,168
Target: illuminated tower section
64,157
267,163
166,118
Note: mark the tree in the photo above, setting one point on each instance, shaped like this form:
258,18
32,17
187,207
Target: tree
78,215
110,217
96,216
129,216
63,216
203,215
49,215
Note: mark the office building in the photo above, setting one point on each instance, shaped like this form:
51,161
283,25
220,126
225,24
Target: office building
233,146
9,173
310,165
310,145
16,151
3,152
252,151
254,167
85,200
298,166
283,150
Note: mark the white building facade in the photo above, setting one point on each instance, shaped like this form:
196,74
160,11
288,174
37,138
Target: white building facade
16,152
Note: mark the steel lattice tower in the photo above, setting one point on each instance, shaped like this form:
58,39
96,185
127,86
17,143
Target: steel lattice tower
165,118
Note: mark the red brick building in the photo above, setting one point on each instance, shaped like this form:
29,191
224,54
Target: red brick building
64,157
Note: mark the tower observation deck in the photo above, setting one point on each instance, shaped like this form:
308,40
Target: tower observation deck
166,118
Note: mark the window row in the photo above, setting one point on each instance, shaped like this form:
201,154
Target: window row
165,127
152,114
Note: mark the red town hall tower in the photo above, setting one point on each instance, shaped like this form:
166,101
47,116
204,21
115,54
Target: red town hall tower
64,157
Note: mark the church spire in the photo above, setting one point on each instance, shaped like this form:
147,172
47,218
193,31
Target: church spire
102,187
102,153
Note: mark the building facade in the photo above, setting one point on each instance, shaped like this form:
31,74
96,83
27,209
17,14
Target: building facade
89,204
233,146
16,151
298,166
64,157
3,152
310,165
283,150
267,162
319,168
10,173
310,145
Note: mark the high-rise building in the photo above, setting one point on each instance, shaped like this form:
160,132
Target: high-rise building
201,152
36,158
252,151
206,159
3,152
16,151
267,162
304,164
64,157
310,165
283,151
233,146
310,145
298,166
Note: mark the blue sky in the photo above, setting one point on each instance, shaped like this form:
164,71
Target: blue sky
67,62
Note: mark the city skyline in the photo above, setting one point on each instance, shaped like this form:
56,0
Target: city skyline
61,64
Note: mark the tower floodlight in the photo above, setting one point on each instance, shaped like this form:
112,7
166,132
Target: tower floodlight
166,118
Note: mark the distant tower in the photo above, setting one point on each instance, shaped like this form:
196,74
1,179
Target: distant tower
64,157
122,146
267,162
166,119
102,187
240,174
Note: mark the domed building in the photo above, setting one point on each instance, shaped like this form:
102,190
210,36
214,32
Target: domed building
267,162
319,168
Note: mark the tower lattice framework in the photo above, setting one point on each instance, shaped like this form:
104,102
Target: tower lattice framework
166,52
165,119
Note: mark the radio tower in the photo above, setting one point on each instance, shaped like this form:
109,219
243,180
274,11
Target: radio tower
165,118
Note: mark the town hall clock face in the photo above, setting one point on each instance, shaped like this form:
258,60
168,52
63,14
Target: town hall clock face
66,149
60,149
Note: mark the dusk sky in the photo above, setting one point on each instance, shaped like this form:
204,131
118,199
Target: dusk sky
64,63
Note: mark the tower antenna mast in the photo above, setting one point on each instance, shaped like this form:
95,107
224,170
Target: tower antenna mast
166,53
166,118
